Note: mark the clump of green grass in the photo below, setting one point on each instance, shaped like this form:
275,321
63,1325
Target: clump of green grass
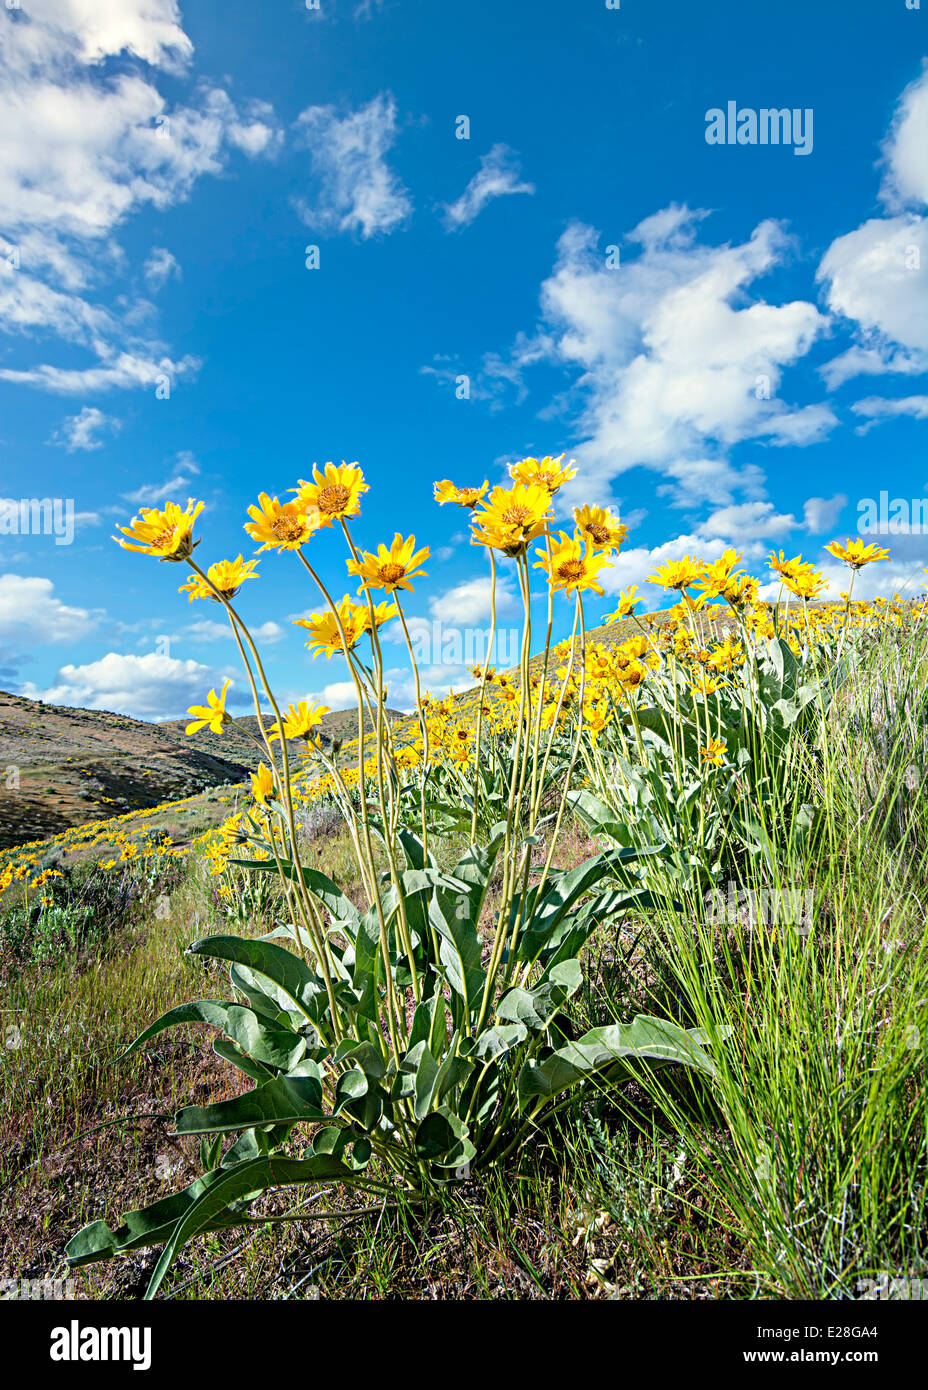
820,1026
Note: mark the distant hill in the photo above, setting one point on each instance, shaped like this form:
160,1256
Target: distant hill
79,765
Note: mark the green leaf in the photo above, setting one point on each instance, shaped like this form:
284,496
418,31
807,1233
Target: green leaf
603,1050
441,1138
545,916
536,1007
275,1047
451,913
283,1100
284,969
327,891
230,1051
496,1042
235,1184
212,1011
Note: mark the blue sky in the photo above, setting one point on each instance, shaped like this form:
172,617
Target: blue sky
748,366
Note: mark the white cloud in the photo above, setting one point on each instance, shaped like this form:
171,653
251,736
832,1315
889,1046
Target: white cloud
30,613
81,431
698,480
150,494
872,278
905,151
123,371
161,265
87,142
748,522
675,363
357,191
468,603
878,408
147,687
499,175
148,29
874,275
821,514
208,630
633,566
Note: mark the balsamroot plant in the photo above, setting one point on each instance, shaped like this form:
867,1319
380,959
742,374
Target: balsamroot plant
428,1036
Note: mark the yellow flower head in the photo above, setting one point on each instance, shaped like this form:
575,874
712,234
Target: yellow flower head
383,612
807,585
549,473
262,784
462,496
571,565
678,574
511,517
390,569
354,619
212,715
600,528
855,553
166,534
719,578
334,493
226,577
713,755
629,600
788,569
280,525
300,720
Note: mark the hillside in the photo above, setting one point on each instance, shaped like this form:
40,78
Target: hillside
78,765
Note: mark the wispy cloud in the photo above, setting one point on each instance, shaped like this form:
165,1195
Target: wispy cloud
150,494
160,267
81,432
356,190
498,176
878,408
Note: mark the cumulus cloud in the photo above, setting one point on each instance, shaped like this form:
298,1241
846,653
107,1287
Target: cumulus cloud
160,267
81,432
673,361
699,480
468,603
152,686
31,614
498,176
208,630
633,566
748,522
821,514
86,143
355,188
905,151
873,276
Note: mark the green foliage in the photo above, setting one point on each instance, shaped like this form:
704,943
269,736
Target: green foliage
345,1090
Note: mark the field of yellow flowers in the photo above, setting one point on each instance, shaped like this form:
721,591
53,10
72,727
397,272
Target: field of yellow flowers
648,904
